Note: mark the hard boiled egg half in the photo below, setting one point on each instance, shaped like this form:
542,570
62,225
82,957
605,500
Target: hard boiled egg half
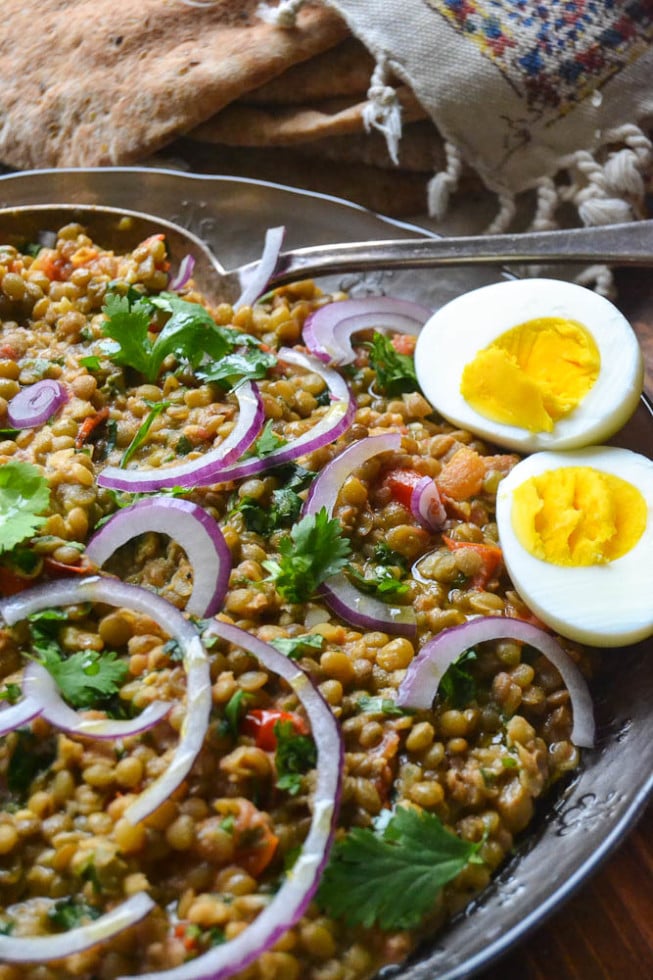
531,364
576,530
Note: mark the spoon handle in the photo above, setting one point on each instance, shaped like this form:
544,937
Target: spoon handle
621,244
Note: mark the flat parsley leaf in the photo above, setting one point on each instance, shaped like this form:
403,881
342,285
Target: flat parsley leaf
24,495
395,372
392,878
314,550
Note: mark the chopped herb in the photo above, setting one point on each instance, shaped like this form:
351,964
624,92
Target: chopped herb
30,757
172,649
24,495
395,372
24,560
9,433
67,913
234,710
380,582
509,762
85,678
392,878
286,502
314,550
380,706
228,824
184,446
268,441
251,364
91,363
6,928
11,693
295,647
295,755
384,555
457,686
140,437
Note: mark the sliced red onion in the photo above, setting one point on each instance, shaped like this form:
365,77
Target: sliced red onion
188,524
341,595
184,273
201,471
420,685
328,331
365,611
40,685
333,423
289,903
36,403
255,282
195,660
426,504
19,714
45,949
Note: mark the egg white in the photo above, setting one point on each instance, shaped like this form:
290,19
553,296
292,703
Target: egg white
452,337
603,605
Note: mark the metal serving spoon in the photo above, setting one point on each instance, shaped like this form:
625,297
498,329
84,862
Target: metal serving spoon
121,230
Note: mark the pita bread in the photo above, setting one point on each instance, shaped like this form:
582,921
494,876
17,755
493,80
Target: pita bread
421,149
341,71
99,82
248,125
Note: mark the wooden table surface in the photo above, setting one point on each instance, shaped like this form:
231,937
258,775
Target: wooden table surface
605,932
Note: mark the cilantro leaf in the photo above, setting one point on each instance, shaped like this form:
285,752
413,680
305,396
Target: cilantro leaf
295,647
379,582
234,710
87,677
395,372
384,555
67,913
11,693
30,757
24,495
127,325
314,550
392,878
286,502
267,442
294,755
251,364
457,685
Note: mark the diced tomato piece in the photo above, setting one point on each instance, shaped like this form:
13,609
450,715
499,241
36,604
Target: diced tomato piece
404,343
491,555
259,724
401,483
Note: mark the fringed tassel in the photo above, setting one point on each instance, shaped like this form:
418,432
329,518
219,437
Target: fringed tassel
505,215
383,110
445,183
285,15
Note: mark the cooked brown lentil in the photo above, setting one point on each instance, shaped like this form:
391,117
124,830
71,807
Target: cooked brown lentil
480,767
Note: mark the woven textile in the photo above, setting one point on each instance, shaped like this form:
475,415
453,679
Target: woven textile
554,95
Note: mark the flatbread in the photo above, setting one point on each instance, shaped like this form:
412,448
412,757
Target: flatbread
248,125
421,149
100,82
343,70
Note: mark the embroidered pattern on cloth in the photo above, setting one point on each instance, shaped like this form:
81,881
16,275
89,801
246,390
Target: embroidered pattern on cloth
554,52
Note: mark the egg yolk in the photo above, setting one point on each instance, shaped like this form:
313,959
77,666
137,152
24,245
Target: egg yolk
577,515
533,374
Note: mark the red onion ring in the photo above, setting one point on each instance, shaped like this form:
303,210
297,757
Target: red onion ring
333,423
188,524
341,595
201,471
44,949
36,403
19,714
289,903
423,676
184,273
426,504
254,281
327,332
39,685
196,664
